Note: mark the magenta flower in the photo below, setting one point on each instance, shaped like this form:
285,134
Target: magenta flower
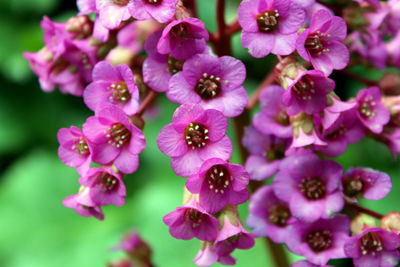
306,131
322,43
114,139
112,85
74,150
374,247
347,129
194,136
158,68
183,38
86,6
269,216
192,220
367,183
273,119
335,108
310,186
266,153
212,82
321,240
219,183
307,92
83,205
160,10
231,236
113,12
270,26
371,112
105,186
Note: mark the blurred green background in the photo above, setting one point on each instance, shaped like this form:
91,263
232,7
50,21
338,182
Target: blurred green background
36,230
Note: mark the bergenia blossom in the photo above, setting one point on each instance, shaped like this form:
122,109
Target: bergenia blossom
269,216
371,112
192,220
321,240
219,183
270,26
74,150
84,205
374,247
322,43
160,10
367,183
273,119
112,85
212,82
114,139
183,38
194,136
113,12
310,186
105,186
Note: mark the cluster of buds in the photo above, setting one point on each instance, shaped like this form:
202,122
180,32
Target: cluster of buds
302,122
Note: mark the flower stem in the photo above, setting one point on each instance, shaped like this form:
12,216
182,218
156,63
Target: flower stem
147,101
360,209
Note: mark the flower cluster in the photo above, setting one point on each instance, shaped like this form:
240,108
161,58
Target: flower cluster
309,203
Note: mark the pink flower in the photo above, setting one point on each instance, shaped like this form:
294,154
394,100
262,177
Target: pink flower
74,150
310,186
192,220
183,38
371,112
273,119
374,247
270,26
114,139
113,12
84,205
367,183
160,10
112,85
105,186
321,240
219,183
322,43
194,136
212,82
307,92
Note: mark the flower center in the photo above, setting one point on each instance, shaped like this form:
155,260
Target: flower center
118,135
196,135
367,108
80,145
304,88
340,131
315,43
82,26
370,243
267,21
106,182
276,151
208,86
218,178
193,216
279,215
313,188
181,30
319,240
353,186
119,92
120,2
282,118
153,2
174,65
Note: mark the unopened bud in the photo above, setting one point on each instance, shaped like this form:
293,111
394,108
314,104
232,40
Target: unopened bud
391,222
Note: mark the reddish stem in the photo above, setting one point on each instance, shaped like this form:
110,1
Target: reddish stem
233,28
369,212
268,80
147,101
